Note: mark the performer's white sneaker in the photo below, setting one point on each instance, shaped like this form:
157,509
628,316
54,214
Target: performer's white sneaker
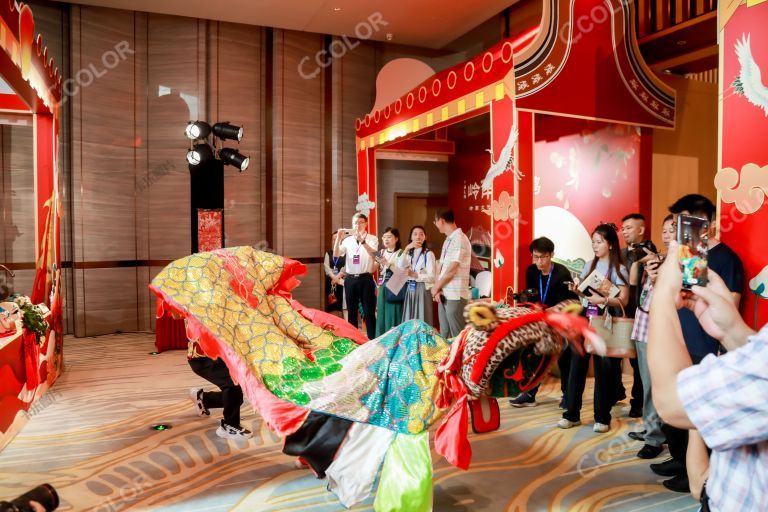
564,423
230,432
601,428
196,395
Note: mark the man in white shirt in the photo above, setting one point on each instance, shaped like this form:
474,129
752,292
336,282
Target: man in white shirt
359,247
451,289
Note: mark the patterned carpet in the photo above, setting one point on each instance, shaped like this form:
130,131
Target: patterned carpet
91,439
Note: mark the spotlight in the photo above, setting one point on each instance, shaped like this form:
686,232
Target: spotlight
228,131
197,130
233,157
199,153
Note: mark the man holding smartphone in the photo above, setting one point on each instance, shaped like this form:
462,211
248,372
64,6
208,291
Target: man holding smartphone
727,264
359,287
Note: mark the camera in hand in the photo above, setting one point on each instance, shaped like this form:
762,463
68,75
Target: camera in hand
529,295
44,494
638,250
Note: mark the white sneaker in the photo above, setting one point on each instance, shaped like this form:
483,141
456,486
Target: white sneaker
564,423
601,428
196,395
230,432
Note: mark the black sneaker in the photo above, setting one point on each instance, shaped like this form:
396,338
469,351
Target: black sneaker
669,467
678,483
637,436
230,432
196,395
524,400
650,452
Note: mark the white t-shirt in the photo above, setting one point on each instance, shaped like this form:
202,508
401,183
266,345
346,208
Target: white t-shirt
358,260
423,265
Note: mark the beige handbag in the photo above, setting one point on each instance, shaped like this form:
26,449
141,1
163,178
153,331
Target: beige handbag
616,332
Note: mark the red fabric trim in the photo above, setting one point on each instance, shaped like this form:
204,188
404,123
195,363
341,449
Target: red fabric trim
239,283
31,357
451,438
482,358
288,280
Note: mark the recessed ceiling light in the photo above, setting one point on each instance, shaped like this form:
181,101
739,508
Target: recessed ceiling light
682,42
336,9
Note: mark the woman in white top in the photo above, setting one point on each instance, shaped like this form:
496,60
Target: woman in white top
608,262
389,308
420,262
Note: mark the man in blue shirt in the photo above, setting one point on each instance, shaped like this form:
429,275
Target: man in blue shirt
726,263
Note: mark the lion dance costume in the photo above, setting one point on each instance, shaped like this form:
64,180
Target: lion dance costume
357,411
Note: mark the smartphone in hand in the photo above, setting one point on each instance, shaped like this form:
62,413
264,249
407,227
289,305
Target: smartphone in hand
692,240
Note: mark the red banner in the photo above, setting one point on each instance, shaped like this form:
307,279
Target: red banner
209,230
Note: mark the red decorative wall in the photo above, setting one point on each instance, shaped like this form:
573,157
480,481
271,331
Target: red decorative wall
742,180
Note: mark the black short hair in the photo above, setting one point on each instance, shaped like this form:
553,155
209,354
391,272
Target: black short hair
396,233
543,245
633,216
360,215
695,204
668,218
446,215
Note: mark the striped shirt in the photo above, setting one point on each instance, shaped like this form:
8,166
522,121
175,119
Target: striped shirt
456,248
726,398
640,329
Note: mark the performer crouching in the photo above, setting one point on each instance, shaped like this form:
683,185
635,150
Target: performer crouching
230,398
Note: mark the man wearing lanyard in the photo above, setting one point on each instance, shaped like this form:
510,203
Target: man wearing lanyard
359,286
551,280
451,289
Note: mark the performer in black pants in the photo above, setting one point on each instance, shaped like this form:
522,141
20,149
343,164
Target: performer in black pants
230,398
359,248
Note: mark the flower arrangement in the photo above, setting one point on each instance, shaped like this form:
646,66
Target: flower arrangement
32,316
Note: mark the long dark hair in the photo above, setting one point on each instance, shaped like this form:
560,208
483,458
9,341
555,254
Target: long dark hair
608,232
396,233
424,247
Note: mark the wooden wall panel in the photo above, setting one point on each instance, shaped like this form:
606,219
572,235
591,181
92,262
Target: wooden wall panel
298,147
236,80
17,186
106,141
174,97
354,96
312,288
102,103
17,194
110,300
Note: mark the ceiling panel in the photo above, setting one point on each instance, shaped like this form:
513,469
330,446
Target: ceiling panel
425,23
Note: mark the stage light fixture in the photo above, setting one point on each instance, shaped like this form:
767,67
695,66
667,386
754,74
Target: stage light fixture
228,131
199,154
233,157
197,130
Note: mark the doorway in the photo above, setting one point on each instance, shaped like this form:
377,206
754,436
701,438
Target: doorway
419,209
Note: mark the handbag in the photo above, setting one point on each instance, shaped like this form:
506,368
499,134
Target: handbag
617,334
332,299
391,297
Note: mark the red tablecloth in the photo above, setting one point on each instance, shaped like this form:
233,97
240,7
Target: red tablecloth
170,334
